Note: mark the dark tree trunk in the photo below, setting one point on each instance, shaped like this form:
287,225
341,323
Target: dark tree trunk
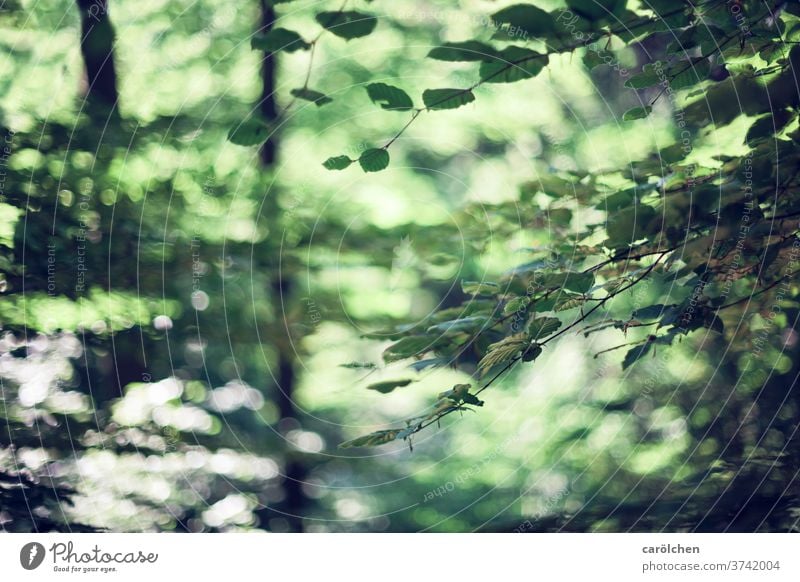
268,106
97,48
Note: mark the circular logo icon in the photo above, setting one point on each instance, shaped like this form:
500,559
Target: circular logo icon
31,555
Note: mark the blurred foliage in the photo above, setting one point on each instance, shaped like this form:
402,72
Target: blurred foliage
559,240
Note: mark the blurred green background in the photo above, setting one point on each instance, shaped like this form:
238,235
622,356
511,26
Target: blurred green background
179,365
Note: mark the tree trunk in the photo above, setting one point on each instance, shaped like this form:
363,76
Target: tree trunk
97,48
295,502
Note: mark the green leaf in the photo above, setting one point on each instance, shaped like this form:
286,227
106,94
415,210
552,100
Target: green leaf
651,75
388,386
373,439
279,39
649,312
635,354
374,159
429,363
470,50
337,162
347,24
503,351
533,352
543,326
566,302
250,131
359,365
513,64
435,99
516,305
768,126
687,74
523,20
597,9
665,9
389,97
460,393
472,399
593,59
480,287
629,225
637,113
569,280
319,99
462,324
413,345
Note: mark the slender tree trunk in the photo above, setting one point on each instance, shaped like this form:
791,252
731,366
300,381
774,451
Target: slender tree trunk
97,48
295,471
125,364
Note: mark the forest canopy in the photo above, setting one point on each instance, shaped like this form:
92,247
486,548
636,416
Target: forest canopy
545,252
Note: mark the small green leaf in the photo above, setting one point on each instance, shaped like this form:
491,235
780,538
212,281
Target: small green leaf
533,352
635,354
570,280
687,74
597,9
516,305
319,99
630,224
373,439
374,160
388,386
649,312
460,393
769,125
651,75
337,163
470,50
472,399
503,351
462,324
359,365
566,302
347,24
513,64
429,363
522,20
413,345
389,97
435,99
250,131
279,39
543,326
637,113
480,287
